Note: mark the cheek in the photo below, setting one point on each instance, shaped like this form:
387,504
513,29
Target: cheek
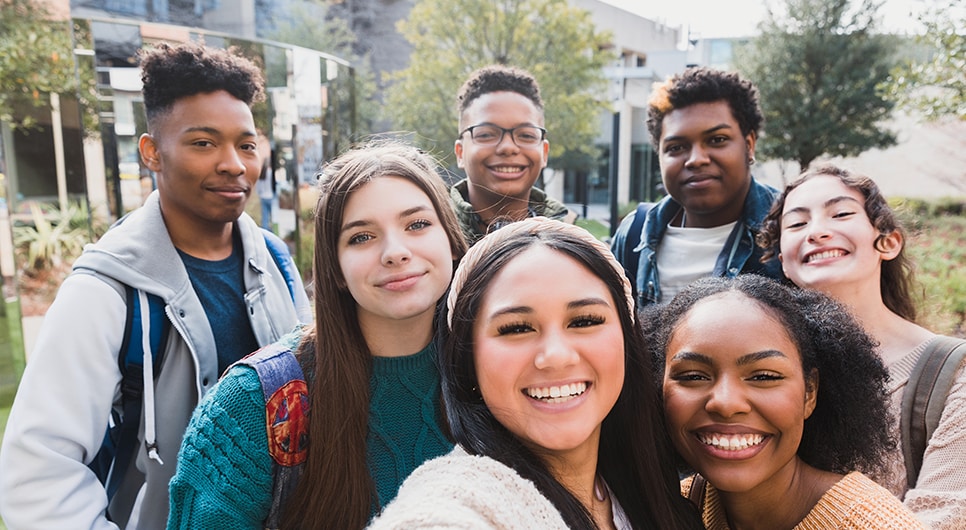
496,367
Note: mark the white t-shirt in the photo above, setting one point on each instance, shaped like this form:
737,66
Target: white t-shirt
687,254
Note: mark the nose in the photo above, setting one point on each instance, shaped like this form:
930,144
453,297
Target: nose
507,144
818,231
698,156
231,162
394,250
555,352
727,399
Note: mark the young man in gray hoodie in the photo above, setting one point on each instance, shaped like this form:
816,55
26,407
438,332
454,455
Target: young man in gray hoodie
191,245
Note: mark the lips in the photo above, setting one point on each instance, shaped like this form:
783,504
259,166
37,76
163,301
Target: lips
824,254
399,282
507,169
557,393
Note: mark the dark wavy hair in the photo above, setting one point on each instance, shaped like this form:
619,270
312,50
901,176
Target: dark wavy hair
704,85
635,456
897,280
850,428
169,73
498,78
335,489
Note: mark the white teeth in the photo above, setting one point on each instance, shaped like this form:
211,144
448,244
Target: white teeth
825,255
506,169
557,394
731,442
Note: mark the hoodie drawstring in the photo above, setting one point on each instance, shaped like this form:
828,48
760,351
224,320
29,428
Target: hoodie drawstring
150,438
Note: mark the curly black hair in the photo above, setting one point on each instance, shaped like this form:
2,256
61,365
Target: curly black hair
850,428
498,78
169,73
704,85
897,281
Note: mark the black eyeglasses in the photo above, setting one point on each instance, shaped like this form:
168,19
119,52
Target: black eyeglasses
489,134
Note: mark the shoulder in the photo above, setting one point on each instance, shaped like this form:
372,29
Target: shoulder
858,502
466,491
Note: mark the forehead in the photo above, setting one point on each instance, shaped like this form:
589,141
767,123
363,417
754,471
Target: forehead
388,193
818,189
697,118
731,324
218,111
541,275
502,108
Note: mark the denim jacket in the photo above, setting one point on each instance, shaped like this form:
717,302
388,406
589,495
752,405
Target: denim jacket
740,254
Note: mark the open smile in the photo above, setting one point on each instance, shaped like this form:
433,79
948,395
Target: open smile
825,254
730,442
557,394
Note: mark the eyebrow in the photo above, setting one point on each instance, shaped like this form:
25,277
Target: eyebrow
525,310
402,215
831,202
748,358
214,131
705,132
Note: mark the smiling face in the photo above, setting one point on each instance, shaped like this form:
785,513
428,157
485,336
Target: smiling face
549,361
393,252
828,241
735,394
204,153
705,162
504,169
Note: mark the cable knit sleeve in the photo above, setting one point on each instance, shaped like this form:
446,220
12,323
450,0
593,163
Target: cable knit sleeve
939,498
224,475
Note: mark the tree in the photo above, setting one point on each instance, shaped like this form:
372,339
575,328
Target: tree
36,58
936,84
555,41
817,67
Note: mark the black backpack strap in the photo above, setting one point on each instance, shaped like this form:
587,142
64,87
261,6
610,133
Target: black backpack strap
925,397
286,417
634,236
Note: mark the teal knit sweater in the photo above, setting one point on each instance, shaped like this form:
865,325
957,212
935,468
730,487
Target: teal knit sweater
224,476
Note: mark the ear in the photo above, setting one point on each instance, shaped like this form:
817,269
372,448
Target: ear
150,155
889,245
546,153
458,150
811,392
751,139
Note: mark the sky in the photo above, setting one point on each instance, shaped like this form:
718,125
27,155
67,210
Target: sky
739,18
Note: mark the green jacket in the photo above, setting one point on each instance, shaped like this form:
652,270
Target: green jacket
471,223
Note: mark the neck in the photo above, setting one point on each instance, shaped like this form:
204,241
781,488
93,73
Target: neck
895,335
492,207
576,470
396,338
781,502
202,241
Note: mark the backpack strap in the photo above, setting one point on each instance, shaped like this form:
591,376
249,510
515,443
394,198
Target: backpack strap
634,236
697,491
282,258
120,444
925,397
286,418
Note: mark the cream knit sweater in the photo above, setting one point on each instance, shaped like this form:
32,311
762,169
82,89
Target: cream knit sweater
939,498
459,490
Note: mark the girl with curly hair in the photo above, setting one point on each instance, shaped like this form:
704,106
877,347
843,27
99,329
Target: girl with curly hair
834,232
776,398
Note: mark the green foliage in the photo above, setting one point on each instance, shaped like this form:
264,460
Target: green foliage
595,227
36,58
46,243
817,67
935,85
555,41
937,248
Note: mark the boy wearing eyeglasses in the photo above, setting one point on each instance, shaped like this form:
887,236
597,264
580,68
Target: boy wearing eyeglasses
502,146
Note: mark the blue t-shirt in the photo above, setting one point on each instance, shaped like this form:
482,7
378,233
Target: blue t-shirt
220,286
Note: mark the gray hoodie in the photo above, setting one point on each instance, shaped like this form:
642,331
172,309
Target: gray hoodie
72,379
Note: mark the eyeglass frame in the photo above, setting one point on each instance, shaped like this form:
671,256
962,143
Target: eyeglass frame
503,132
